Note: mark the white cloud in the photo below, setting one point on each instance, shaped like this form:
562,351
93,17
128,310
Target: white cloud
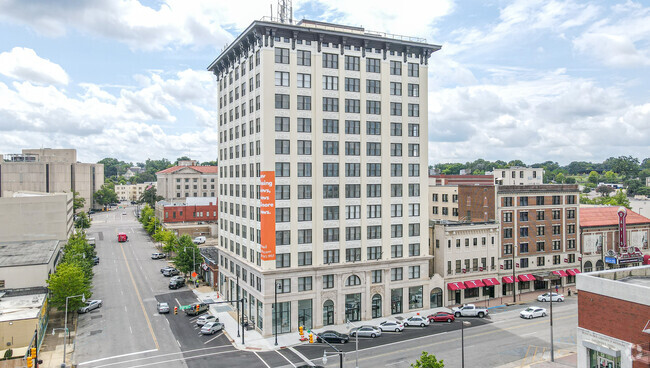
23,64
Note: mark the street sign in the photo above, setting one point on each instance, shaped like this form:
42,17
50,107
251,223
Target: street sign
194,274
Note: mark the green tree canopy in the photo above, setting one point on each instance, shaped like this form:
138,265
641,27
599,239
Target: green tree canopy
594,177
68,280
77,201
187,254
105,195
150,197
428,361
82,221
114,167
604,190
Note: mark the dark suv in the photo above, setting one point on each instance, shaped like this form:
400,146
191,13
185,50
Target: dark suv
176,282
192,310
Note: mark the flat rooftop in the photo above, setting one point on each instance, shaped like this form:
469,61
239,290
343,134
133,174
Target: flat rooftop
21,307
637,280
26,253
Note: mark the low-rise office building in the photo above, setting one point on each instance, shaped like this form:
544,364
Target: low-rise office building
30,216
187,180
199,209
132,192
614,318
23,312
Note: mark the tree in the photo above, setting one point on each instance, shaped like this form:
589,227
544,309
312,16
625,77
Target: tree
182,158
604,190
627,166
82,221
68,280
209,163
145,214
619,199
428,361
78,251
570,180
152,225
114,167
593,177
150,197
105,195
517,163
77,201
560,178
186,254
610,177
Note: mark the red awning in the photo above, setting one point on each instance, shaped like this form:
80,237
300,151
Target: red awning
572,272
560,273
491,281
456,286
507,279
646,259
527,277
474,284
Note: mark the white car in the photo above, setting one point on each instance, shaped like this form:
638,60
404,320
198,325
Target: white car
532,312
547,296
199,240
394,326
90,305
416,321
207,318
211,328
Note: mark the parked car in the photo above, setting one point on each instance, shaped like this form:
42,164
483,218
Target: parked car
192,310
90,305
441,317
176,282
470,310
206,319
162,270
121,237
332,336
91,211
171,272
199,240
394,326
134,202
532,312
158,255
366,331
211,328
416,321
92,242
547,296
163,308
96,260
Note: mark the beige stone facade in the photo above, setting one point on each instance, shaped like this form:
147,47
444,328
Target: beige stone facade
29,216
181,182
132,192
518,175
443,202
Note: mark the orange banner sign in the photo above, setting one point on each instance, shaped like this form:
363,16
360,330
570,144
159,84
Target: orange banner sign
267,214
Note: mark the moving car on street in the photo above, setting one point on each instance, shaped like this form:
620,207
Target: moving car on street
211,328
332,336
470,310
547,297
90,305
158,255
163,308
416,321
532,312
194,311
394,326
441,317
366,331
121,238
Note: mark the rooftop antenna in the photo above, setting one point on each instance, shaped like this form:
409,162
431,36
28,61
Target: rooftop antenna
285,11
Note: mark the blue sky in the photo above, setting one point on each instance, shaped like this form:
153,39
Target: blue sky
530,80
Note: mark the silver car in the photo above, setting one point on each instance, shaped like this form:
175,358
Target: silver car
366,331
211,328
163,308
90,305
392,326
207,318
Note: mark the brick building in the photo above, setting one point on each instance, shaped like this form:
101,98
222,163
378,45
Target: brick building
461,179
193,210
539,232
614,318
599,233
464,202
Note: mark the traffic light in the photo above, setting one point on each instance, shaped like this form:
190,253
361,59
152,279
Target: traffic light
33,352
30,362
300,330
197,308
175,310
311,338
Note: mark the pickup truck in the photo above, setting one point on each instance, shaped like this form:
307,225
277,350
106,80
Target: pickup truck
470,310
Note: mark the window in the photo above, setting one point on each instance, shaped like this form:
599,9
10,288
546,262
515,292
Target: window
523,201
352,149
540,230
414,110
281,56
373,128
396,130
352,212
571,229
304,283
374,210
352,84
330,213
282,214
396,251
372,65
414,229
396,149
523,216
541,261
413,90
523,231
396,210
330,83
556,259
507,217
414,170
283,260
352,63
396,231
571,199
352,127
331,256
395,170
330,147
353,233
330,61
281,124
304,147
395,88
304,103
282,79
414,150
556,214
374,232
330,169
507,233
373,86
375,276
304,57
523,248
304,191
281,101
304,80
373,149
414,249
353,170
282,169
304,169
557,229
353,280
414,70
414,190
284,286
540,215
281,146
414,272
396,274
328,281
396,109
282,192
330,104
353,255
330,191
373,190
571,214
395,68
557,200
540,246
352,106
304,125
304,213
373,170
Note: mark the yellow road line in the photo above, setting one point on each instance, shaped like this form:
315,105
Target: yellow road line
144,311
525,356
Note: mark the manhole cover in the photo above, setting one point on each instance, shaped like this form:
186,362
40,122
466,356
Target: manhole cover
96,316
100,235
95,332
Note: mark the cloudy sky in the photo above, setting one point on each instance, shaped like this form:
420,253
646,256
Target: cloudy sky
530,80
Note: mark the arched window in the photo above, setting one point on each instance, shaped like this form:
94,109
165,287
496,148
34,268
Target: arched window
435,300
600,265
588,267
328,313
353,280
376,306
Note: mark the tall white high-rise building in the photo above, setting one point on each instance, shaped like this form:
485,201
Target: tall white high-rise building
323,173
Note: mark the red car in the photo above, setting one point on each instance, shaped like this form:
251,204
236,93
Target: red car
441,317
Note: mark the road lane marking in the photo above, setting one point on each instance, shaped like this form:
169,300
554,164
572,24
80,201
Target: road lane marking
285,358
260,358
219,334
179,344
301,356
137,292
117,356
177,302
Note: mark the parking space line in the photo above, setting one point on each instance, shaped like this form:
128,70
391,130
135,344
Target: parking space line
260,358
212,339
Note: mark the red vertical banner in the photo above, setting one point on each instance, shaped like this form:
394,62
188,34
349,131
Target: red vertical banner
267,214
622,228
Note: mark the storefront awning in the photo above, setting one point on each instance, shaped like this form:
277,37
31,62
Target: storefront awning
474,284
572,272
560,273
491,281
527,277
507,279
456,286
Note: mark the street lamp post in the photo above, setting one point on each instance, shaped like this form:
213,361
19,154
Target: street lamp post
275,311
550,277
462,341
65,323
237,293
356,343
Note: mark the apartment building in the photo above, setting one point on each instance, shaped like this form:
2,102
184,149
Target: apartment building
466,255
187,180
539,233
602,244
323,140
49,170
517,175
461,202
132,192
